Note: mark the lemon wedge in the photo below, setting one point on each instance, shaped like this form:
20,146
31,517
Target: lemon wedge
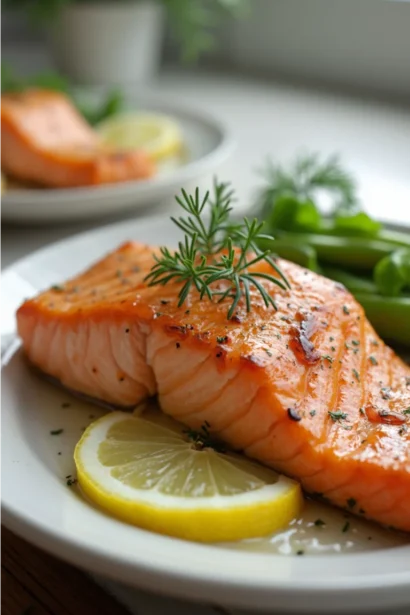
147,471
157,134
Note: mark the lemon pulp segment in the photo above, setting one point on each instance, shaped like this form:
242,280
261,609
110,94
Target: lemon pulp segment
157,134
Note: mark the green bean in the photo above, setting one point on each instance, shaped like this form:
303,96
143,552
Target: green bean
303,255
390,316
399,239
354,283
353,252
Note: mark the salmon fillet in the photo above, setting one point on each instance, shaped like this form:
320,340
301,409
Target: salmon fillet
44,139
309,389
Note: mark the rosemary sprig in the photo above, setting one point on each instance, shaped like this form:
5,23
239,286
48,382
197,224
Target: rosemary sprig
215,255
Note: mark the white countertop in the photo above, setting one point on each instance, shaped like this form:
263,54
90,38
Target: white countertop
274,119
269,118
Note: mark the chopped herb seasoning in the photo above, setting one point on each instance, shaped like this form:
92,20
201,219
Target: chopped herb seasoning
362,411
351,502
312,412
203,439
158,314
278,335
407,410
319,523
222,340
346,309
333,348
56,432
373,360
57,288
71,481
293,415
268,352
385,392
263,327
347,346
407,382
331,339
346,526
327,357
356,374
355,343
65,404
338,415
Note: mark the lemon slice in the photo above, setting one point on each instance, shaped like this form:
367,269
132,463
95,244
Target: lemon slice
157,134
146,471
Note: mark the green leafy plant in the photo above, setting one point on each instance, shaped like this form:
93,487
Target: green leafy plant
192,21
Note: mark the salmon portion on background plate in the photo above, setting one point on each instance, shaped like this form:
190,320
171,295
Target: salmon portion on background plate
309,389
44,139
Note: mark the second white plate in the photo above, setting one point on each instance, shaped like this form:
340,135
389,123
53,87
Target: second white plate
207,144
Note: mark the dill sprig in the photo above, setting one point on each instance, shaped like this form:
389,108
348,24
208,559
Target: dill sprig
216,254
306,177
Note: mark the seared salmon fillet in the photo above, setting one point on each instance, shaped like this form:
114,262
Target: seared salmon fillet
45,140
309,389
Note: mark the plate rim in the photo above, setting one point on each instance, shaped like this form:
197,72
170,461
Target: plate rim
176,583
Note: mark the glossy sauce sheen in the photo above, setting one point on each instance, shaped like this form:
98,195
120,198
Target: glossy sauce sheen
45,140
309,390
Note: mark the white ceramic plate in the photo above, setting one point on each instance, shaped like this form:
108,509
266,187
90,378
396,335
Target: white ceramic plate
207,143
38,504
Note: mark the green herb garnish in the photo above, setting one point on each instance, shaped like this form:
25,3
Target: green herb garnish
373,360
215,256
338,415
407,410
202,438
356,374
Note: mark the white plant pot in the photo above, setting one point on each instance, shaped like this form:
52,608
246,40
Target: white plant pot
109,43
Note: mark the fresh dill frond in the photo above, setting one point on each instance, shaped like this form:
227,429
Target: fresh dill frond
216,254
305,179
